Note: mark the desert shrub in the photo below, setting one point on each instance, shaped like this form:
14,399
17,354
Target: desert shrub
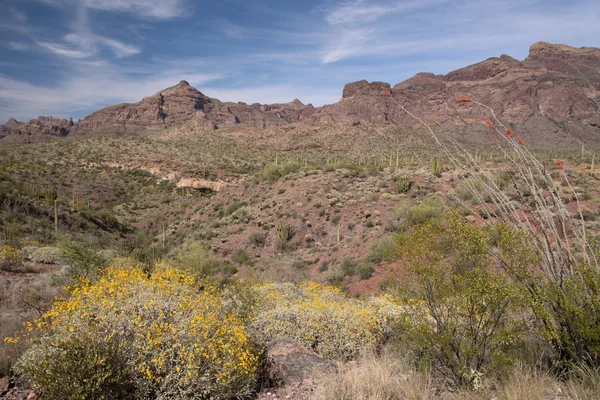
322,318
566,303
81,263
271,173
233,207
385,248
403,184
44,255
462,323
240,256
285,233
11,258
256,239
429,209
134,335
462,311
195,258
364,270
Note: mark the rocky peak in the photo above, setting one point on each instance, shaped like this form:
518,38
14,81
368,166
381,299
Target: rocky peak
484,70
364,88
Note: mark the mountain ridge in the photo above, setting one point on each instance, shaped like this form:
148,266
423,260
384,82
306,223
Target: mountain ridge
557,82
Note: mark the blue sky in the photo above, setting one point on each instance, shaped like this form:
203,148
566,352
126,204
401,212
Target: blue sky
71,57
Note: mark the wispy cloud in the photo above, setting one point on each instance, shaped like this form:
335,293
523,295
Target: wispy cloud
356,11
151,9
18,46
87,87
363,28
17,15
230,29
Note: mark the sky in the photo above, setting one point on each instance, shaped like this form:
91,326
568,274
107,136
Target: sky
68,58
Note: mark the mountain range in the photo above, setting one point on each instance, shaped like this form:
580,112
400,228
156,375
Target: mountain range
554,92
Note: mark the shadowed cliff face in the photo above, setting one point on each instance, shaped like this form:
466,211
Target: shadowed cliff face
556,84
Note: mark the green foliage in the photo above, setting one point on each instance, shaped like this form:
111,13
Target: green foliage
241,257
404,183
462,311
233,207
462,322
567,309
436,167
284,234
271,173
429,209
197,259
82,263
385,248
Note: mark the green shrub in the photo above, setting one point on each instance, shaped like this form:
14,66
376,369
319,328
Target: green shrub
256,239
82,263
197,259
429,209
463,311
566,303
403,184
240,256
284,234
385,248
271,173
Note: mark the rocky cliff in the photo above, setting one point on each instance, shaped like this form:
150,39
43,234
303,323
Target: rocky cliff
556,84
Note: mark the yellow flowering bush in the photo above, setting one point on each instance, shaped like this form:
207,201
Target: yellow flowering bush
322,318
10,258
135,335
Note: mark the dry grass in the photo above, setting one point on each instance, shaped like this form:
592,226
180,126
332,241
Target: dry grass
524,383
372,377
584,384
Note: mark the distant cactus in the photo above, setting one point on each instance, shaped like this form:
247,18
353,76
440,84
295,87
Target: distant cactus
404,184
436,167
285,233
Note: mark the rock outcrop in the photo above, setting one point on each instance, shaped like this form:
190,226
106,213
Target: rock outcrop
290,362
559,82
184,104
41,126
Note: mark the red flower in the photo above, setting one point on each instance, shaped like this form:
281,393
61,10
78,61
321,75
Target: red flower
559,163
521,141
463,100
490,123
495,140
510,133
386,91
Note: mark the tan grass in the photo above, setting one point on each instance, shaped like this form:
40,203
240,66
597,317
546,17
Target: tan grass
384,377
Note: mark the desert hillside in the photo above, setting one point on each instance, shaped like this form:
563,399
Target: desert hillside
434,239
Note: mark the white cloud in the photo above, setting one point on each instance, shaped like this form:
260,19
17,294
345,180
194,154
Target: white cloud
364,29
355,11
18,46
88,87
18,15
64,51
84,45
155,9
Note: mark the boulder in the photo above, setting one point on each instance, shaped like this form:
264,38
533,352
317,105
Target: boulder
290,362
